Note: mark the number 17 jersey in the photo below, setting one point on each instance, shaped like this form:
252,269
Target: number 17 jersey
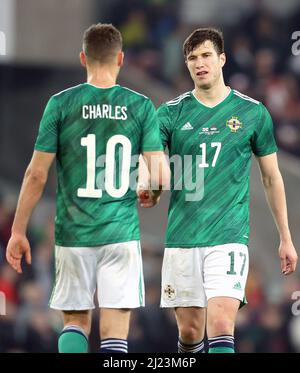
97,135
210,152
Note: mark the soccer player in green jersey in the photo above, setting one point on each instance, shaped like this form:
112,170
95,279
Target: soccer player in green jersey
211,133
96,132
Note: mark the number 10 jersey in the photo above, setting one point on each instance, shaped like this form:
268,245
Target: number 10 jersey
97,135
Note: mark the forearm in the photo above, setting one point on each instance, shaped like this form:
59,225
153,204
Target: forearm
275,193
143,175
154,173
31,191
144,182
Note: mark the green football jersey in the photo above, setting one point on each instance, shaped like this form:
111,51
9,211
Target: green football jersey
210,156
97,135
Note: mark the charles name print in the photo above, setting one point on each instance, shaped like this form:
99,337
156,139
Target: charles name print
104,111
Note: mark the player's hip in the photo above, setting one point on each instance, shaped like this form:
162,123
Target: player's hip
191,276
114,271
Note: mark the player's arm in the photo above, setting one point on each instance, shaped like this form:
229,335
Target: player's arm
32,188
275,193
154,177
147,193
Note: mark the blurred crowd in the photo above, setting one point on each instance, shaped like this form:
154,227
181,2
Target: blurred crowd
266,324
258,44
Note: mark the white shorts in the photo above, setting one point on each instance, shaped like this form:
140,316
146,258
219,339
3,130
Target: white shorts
191,276
115,270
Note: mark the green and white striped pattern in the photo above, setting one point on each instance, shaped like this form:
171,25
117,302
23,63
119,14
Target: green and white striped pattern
94,221
225,136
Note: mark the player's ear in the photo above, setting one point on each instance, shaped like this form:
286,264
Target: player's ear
82,58
222,59
120,58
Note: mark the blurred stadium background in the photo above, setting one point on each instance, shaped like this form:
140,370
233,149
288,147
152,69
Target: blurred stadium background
43,40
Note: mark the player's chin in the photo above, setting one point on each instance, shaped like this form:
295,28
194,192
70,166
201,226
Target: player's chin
204,85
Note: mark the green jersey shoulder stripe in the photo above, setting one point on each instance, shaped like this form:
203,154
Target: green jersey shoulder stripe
137,93
237,93
177,100
66,90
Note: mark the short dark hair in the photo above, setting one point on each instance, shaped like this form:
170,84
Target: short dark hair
102,42
199,36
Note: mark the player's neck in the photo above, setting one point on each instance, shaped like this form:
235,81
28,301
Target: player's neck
102,78
212,96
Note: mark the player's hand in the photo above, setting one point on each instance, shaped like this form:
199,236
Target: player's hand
288,257
147,198
18,246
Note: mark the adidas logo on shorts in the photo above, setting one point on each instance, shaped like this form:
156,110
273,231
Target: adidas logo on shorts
237,286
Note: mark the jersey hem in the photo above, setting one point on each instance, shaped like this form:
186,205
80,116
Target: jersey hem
201,244
71,307
94,244
263,154
42,149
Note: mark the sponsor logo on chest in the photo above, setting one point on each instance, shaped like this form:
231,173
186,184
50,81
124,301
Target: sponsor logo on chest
234,124
213,130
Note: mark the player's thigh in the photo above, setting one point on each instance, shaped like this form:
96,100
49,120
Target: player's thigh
78,318
114,323
225,271
120,278
225,276
191,323
75,278
221,316
182,280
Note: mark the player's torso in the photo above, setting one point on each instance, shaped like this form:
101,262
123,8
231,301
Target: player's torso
101,112
99,135
99,141
210,155
221,135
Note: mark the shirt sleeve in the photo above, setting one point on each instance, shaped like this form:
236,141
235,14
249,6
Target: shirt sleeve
164,124
151,140
48,132
263,140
